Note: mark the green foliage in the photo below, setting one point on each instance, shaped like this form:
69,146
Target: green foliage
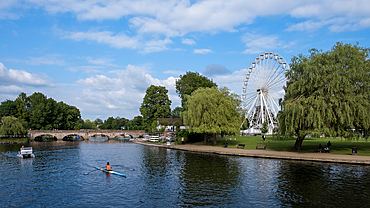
38,112
154,126
8,108
137,121
164,123
264,128
189,137
327,92
189,83
22,104
89,124
177,124
11,126
156,104
176,113
213,111
115,123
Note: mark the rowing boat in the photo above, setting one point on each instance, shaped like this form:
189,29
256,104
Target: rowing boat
111,172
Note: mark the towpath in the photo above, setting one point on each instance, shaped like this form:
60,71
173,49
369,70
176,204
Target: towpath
258,153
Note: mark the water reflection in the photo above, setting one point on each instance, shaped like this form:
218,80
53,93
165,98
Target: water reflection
323,185
170,178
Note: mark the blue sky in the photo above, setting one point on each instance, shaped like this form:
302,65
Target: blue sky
101,55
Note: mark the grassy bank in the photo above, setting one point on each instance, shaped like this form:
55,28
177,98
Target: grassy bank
309,145
13,140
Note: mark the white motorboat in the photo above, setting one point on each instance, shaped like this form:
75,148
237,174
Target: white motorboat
25,152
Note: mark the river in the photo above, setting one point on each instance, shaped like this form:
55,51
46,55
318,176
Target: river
159,177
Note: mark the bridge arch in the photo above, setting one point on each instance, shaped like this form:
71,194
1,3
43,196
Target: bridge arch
45,137
73,137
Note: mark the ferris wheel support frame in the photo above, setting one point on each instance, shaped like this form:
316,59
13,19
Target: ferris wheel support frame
266,75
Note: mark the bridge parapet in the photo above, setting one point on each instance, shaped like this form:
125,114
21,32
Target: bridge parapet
85,133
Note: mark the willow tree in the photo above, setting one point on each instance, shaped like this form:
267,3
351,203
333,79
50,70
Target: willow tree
213,111
327,92
11,126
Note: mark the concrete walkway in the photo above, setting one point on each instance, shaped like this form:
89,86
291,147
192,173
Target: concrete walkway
316,157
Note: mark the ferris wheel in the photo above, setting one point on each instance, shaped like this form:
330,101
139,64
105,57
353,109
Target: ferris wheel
263,86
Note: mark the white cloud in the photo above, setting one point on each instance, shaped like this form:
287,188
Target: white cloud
177,73
178,17
22,77
188,41
10,89
122,93
306,26
51,59
100,61
86,69
337,15
106,37
5,9
155,45
202,51
259,43
233,81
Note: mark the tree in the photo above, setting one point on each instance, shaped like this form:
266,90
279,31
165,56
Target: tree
156,104
264,128
189,83
177,124
46,113
22,104
327,92
87,124
68,118
154,126
137,122
8,108
176,113
11,126
213,111
99,122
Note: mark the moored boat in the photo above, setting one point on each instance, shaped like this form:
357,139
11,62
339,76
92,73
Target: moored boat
25,152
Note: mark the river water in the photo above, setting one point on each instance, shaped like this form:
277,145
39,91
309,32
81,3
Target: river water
170,178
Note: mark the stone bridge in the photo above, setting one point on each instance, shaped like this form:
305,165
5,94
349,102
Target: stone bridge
85,133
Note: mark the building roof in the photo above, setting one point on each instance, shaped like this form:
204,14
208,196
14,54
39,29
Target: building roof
171,120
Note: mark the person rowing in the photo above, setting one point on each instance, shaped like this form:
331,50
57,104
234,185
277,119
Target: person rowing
108,167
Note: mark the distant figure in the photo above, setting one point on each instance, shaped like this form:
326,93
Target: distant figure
329,145
264,138
320,148
108,167
22,148
182,139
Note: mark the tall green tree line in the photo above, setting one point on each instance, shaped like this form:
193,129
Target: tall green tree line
41,113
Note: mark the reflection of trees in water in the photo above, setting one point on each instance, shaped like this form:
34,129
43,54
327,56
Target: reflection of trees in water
45,138
323,185
207,179
194,177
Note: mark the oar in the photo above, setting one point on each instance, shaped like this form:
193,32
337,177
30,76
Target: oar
124,167
90,172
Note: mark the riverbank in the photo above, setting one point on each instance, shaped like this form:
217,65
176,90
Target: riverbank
258,153
14,140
